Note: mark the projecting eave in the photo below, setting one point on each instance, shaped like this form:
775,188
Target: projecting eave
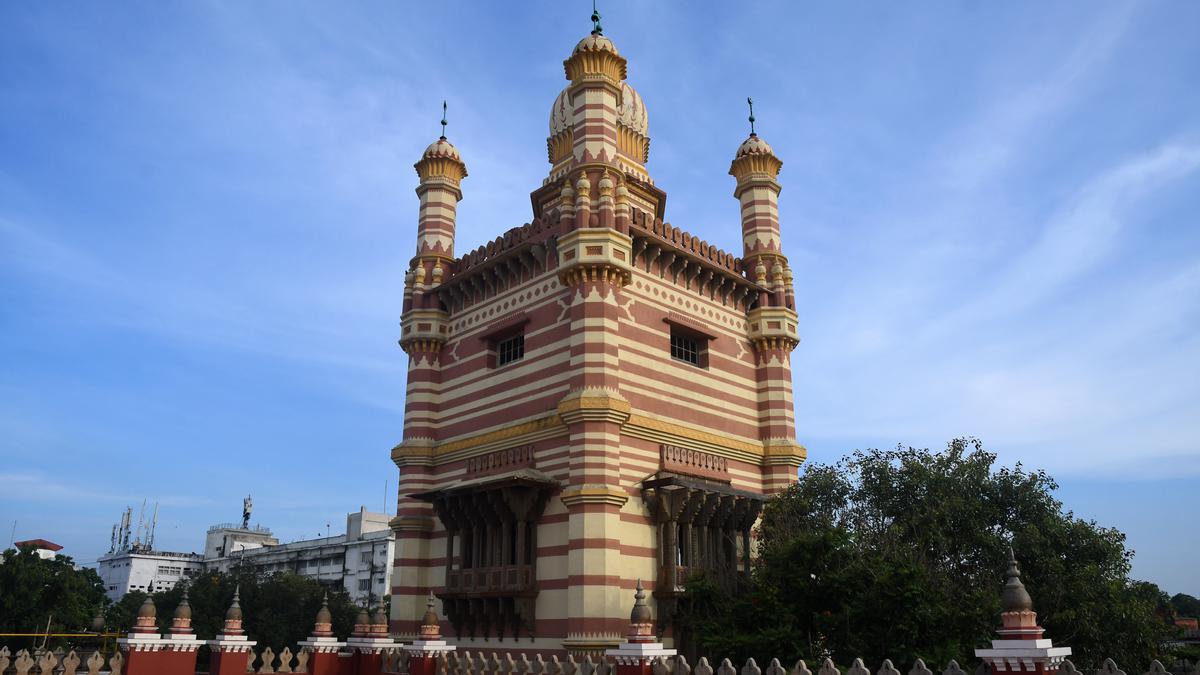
664,479
519,478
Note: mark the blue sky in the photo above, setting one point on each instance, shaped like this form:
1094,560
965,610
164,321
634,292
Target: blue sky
206,209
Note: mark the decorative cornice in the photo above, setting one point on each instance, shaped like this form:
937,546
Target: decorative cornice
423,451
757,165
595,255
662,431
786,452
501,460
441,167
773,328
593,494
599,405
594,405
411,524
608,274
678,459
599,65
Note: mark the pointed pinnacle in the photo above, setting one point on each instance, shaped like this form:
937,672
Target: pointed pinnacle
1015,598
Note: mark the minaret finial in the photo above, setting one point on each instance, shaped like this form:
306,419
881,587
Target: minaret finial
1015,597
443,120
750,102
597,29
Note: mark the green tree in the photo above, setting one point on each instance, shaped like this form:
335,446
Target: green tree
279,608
119,616
900,553
1185,605
37,592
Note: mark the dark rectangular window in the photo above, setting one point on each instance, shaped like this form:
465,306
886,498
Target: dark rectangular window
510,349
685,348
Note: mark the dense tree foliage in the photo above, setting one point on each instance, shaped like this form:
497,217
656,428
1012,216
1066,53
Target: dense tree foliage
36,593
900,554
1185,605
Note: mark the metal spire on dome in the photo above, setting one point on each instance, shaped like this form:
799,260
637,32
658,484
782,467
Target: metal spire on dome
641,611
234,613
750,102
597,29
1015,597
443,120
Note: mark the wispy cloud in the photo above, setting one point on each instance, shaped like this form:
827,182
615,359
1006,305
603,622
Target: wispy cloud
1083,233
39,486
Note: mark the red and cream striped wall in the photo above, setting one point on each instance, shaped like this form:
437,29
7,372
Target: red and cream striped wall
596,395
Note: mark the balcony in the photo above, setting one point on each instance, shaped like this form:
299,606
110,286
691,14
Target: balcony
505,580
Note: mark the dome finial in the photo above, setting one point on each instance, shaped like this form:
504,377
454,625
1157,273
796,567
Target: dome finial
1015,597
750,102
597,29
443,120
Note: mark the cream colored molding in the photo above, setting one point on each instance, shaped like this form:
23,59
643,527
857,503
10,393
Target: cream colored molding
594,405
773,325
453,170
413,452
661,431
593,254
422,328
425,452
782,451
756,167
411,524
593,494
599,405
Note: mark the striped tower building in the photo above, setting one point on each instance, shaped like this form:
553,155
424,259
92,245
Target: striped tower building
594,397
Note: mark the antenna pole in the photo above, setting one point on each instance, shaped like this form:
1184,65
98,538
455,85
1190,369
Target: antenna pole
153,527
12,539
141,522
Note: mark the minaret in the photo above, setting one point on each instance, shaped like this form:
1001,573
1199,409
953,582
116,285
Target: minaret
756,168
773,320
584,120
425,324
441,170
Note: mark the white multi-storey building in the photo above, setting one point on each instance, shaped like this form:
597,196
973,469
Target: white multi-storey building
146,570
358,561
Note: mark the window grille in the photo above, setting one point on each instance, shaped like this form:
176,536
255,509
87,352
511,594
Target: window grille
510,349
685,348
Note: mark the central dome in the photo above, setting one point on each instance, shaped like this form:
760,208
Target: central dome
631,111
